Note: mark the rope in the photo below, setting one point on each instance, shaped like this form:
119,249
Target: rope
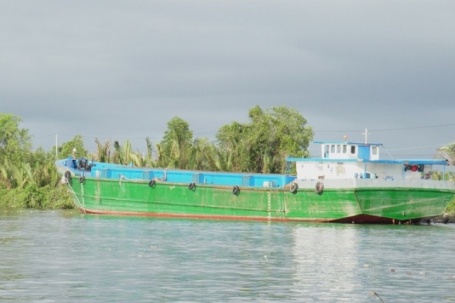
76,199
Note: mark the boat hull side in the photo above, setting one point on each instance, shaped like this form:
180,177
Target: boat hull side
106,196
403,203
353,205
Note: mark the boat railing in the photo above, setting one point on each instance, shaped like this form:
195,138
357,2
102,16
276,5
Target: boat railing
378,183
197,177
410,183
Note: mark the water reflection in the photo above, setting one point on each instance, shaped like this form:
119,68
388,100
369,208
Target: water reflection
326,262
55,257
348,263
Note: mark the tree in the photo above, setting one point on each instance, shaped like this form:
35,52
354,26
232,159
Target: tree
27,178
263,144
43,167
289,136
103,151
15,145
125,155
203,156
74,147
149,161
176,146
15,142
122,154
233,147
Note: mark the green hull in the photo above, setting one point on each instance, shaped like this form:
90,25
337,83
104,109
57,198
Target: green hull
404,204
359,205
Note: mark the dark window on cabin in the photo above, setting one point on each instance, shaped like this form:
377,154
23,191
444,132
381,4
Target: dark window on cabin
374,150
326,151
345,149
353,149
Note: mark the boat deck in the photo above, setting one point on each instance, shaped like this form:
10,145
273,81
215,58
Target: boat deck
115,171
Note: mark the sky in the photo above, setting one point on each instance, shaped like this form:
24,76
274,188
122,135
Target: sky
121,70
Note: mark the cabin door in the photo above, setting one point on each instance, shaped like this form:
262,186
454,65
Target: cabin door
364,152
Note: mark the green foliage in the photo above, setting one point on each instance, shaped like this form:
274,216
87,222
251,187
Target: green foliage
203,155
103,151
176,147
27,179
148,159
448,152
43,168
448,176
47,197
263,144
439,175
124,154
74,148
234,147
15,142
15,154
258,146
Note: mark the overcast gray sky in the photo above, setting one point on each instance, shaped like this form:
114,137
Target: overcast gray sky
123,69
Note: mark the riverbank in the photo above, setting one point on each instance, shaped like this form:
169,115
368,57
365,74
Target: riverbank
47,197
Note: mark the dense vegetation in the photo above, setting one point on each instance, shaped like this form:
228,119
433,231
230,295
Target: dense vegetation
28,179
448,152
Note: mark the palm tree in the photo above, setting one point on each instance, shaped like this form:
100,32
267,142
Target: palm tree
5,174
175,149
139,159
16,176
224,159
103,151
202,155
149,161
448,152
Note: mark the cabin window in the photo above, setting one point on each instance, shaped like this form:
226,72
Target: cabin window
338,149
374,150
345,149
353,149
326,150
332,149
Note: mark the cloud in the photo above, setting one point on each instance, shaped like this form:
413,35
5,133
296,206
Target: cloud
124,69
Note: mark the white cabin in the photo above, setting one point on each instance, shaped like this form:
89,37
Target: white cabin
352,160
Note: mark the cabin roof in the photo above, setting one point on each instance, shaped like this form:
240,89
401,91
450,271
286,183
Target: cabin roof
348,143
394,161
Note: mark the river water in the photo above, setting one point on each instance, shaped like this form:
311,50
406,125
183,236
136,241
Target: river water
64,256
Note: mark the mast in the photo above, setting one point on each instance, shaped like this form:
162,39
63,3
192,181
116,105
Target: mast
366,135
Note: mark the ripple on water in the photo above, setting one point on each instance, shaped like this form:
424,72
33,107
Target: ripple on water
67,257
